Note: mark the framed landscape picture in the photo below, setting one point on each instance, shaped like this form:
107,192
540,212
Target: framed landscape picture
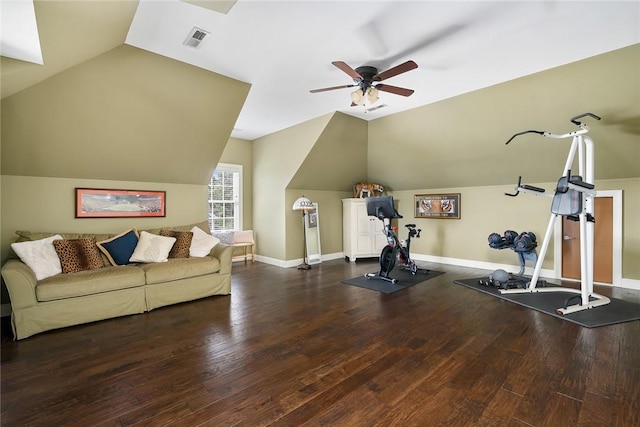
445,206
105,203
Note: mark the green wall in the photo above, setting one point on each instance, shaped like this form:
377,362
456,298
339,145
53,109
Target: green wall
276,159
460,142
239,152
486,209
151,135
125,115
127,119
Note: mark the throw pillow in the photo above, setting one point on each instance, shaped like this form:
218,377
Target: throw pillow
118,249
182,245
40,256
152,248
78,254
201,243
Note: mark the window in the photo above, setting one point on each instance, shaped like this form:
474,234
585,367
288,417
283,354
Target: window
224,198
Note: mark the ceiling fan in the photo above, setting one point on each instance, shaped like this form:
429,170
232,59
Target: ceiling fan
366,78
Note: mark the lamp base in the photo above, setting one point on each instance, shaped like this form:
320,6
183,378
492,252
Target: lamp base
304,266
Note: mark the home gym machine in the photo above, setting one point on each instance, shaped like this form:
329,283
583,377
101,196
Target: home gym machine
573,198
384,209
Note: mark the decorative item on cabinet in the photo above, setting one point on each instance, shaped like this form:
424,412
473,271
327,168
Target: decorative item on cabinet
367,189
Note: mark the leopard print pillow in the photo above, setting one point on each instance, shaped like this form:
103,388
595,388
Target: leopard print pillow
182,245
78,254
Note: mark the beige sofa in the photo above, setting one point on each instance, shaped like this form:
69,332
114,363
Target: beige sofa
86,296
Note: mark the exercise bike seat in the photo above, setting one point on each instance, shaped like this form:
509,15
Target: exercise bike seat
410,225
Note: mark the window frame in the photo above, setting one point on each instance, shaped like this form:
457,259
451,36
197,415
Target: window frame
232,168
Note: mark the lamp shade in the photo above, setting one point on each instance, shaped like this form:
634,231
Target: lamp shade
356,97
302,204
372,95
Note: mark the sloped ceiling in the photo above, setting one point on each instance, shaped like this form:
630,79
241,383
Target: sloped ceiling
71,32
285,48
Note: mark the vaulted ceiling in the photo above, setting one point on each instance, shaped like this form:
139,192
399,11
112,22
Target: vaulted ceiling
285,48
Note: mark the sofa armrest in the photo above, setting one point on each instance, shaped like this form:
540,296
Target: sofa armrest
224,253
21,283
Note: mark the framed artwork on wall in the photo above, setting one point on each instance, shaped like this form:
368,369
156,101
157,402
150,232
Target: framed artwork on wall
446,206
106,203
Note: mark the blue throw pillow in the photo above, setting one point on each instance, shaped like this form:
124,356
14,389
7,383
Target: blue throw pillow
118,249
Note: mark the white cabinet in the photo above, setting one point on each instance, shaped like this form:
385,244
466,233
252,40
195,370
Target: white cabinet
362,235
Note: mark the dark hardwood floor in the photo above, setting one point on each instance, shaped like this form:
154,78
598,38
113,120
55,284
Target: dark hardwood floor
293,348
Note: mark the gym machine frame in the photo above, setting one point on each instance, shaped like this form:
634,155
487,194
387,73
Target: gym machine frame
570,186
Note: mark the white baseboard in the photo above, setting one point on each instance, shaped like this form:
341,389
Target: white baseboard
511,268
630,284
295,262
329,257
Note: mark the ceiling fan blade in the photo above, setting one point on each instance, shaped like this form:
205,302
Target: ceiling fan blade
394,71
330,88
347,69
395,90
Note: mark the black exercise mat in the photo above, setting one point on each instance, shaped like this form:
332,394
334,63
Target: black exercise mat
617,311
405,280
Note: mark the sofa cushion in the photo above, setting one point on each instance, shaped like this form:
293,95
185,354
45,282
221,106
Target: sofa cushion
89,282
203,225
202,243
119,248
40,255
181,247
78,254
179,268
152,248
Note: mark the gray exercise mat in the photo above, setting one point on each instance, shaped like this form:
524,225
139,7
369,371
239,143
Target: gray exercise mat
404,277
617,311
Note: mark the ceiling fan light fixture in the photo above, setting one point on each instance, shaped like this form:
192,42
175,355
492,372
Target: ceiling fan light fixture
357,97
372,95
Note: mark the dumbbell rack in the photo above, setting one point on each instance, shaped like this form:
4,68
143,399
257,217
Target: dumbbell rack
523,257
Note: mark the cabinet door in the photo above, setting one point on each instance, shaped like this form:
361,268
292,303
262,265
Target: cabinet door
378,239
363,224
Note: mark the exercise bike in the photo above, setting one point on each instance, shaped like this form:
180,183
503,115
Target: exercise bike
396,249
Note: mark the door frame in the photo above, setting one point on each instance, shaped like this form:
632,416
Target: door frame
616,195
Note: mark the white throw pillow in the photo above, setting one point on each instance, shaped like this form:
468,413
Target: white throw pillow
152,248
40,256
201,243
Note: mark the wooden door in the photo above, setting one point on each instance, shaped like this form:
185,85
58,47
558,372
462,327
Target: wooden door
602,244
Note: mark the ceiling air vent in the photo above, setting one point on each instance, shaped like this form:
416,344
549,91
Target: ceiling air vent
377,107
196,37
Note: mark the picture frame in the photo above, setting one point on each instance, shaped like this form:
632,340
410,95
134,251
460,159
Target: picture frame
443,206
110,203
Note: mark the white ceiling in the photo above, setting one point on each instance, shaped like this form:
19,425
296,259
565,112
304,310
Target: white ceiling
19,31
285,48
